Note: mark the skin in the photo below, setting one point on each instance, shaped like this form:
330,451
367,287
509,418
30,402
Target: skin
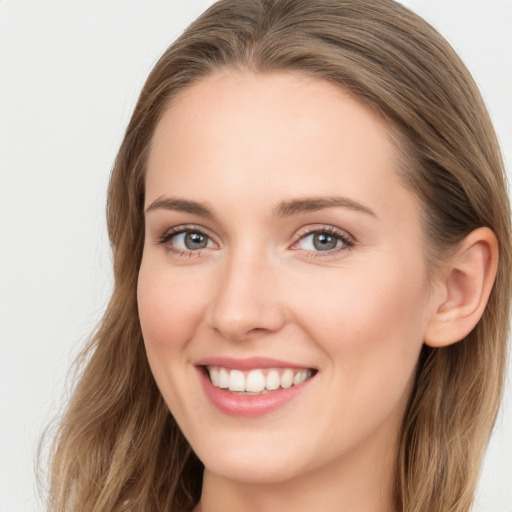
242,144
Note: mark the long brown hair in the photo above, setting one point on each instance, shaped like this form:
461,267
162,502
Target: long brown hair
118,447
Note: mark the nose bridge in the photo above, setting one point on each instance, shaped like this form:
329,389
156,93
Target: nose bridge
247,298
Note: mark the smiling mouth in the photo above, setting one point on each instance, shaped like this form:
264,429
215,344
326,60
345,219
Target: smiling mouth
257,381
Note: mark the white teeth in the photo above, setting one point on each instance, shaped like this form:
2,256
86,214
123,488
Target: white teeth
273,380
236,380
298,378
255,381
223,378
301,376
214,377
287,378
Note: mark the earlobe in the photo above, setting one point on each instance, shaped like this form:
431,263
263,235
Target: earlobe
465,287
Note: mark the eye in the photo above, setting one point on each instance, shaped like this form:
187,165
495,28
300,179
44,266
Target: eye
186,241
327,240
189,240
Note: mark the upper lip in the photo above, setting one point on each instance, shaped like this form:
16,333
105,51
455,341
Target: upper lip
248,363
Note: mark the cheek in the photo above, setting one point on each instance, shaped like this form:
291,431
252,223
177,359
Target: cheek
170,310
371,326
170,307
363,302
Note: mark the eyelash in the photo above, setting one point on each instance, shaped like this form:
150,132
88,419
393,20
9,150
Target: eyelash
347,241
171,233
342,236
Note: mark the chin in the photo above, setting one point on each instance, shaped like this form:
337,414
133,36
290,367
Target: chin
253,466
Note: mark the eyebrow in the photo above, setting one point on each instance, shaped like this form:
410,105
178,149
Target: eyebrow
181,205
311,204
283,209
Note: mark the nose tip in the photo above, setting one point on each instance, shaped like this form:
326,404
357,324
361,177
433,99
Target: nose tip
238,325
246,304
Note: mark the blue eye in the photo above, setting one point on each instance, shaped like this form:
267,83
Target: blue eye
189,240
325,240
186,241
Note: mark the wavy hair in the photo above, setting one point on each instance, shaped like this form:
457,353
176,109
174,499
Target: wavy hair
117,447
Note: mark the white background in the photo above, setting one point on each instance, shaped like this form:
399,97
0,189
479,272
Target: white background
70,73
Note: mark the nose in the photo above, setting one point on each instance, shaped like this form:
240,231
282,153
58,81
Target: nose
246,302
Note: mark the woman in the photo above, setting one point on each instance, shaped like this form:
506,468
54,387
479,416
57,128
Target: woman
311,243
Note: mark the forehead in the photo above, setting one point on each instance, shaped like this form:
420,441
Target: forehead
240,134
262,106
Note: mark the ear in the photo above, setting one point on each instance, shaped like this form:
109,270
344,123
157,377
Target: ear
463,290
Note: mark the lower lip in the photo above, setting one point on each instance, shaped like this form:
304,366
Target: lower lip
249,406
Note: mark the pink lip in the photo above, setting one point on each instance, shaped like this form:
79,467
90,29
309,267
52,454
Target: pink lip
248,406
250,363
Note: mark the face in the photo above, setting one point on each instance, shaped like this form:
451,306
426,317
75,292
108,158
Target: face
283,291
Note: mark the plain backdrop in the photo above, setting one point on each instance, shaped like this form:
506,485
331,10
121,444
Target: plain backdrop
70,73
